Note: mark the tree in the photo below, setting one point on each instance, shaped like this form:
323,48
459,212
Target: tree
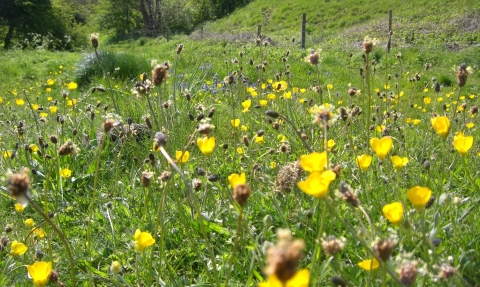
26,16
121,16
152,16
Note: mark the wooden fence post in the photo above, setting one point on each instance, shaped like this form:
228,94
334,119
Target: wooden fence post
304,27
259,30
389,44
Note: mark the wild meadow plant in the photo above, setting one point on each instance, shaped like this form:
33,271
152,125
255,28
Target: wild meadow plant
251,179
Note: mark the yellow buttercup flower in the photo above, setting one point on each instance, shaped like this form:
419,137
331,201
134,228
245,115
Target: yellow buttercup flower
419,196
29,222
259,139
317,183
33,147
314,162
19,102
263,103
463,144
329,87
300,279
18,248
116,267
246,105
50,82
393,212
142,240
441,125
206,145
381,146
53,109
235,123
65,173
279,86
236,179
399,162
181,156
39,272
72,86
427,100
239,150
19,207
7,154
363,161
330,144
39,232
370,264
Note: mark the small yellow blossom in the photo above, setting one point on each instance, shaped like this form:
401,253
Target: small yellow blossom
463,144
142,240
65,173
263,103
381,146
246,105
18,248
235,179
53,109
314,162
72,86
419,196
300,279
19,207
399,162
29,222
370,264
317,183
259,139
181,156
39,272
235,123
19,102
393,212
441,125
363,161
206,145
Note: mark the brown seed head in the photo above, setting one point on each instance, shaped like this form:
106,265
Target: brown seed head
18,183
68,148
408,273
314,58
146,178
447,271
462,75
179,49
384,248
53,276
283,258
108,124
94,40
159,74
241,193
332,245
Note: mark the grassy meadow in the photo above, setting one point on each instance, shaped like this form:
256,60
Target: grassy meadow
248,162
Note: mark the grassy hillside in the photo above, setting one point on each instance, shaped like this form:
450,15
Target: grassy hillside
448,21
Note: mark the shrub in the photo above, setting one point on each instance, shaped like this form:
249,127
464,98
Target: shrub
120,65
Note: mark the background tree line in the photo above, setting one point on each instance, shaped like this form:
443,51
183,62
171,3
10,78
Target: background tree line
65,24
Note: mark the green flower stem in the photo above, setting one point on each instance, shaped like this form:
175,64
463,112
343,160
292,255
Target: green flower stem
159,223
298,134
353,232
320,86
234,153
111,227
454,112
62,237
316,264
92,206
152,112
367,121
197,209
384,274
235,244
164,121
